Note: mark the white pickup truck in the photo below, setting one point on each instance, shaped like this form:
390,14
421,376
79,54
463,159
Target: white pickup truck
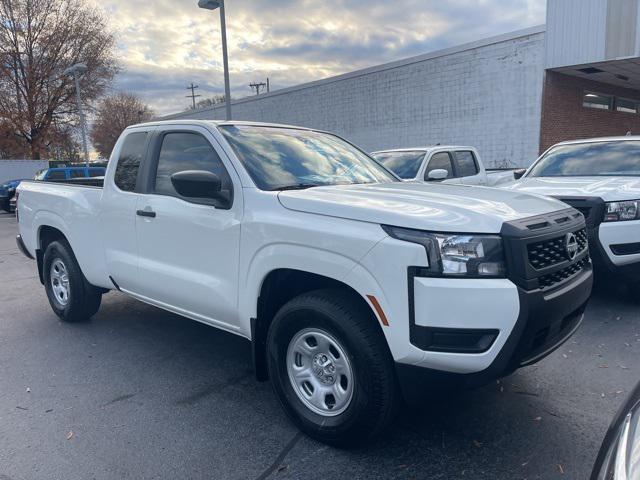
601,178
442,163
347,282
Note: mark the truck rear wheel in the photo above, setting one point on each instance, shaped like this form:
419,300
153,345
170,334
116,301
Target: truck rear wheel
331,368
70,295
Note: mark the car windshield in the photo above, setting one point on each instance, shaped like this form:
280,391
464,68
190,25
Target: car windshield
40,175
619,158
281,158
403,164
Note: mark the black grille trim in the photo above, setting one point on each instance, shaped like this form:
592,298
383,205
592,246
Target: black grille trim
552,279
534,256
551,252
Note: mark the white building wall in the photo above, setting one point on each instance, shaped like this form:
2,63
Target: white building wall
486,94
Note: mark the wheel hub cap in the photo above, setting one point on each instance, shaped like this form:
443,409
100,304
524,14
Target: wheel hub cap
324,368
320,372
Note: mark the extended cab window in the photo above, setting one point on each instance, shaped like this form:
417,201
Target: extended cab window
466,165
442,161
131,154
182,151
77,173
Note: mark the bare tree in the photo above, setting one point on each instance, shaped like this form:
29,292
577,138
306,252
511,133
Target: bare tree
114,114
39,39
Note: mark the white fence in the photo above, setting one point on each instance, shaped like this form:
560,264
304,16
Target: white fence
19,169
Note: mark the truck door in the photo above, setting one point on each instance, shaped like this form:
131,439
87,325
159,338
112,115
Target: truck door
118,214
188,248
441,161
467,168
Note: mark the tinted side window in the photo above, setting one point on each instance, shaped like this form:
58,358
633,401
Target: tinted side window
77,173
187,151
440,161
466,165
131,155
56,175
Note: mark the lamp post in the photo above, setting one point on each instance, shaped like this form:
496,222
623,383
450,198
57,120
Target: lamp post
212,5
75,71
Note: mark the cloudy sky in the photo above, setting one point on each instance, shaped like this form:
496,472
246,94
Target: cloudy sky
166,44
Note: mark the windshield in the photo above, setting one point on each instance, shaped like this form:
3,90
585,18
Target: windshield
620,158
40,175
403,164
278,158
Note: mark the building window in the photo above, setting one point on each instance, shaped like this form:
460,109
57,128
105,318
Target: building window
597,100
626,105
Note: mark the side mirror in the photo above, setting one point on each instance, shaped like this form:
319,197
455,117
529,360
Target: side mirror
437,174
519,172
198,184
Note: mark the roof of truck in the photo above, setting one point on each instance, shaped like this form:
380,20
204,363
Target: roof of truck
426,149
216,123
635,138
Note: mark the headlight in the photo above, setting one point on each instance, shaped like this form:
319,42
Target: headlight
457,255
621,211
622,457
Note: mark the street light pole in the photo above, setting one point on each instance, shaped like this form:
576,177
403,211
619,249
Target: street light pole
75,70
212,5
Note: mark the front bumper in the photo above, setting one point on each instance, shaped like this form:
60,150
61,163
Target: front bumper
511,322
545,321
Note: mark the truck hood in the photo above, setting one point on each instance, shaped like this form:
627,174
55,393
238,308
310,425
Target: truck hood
447,208
610,189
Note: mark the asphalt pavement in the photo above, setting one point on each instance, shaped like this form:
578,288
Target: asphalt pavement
139,393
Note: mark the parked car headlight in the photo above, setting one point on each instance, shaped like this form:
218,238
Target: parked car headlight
621,211
621,459
457,254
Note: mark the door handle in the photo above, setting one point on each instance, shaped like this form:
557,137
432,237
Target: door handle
146,213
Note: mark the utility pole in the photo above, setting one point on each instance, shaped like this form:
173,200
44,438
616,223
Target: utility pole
193,95
258,86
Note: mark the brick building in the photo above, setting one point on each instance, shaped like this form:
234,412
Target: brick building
511,96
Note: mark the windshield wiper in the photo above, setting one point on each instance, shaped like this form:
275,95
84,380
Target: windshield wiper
296,186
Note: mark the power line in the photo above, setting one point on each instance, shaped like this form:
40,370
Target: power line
193,95
257,86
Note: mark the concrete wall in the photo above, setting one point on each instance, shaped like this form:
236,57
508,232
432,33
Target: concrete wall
19,169
486,94
564,117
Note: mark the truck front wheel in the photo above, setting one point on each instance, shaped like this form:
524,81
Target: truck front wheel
71,297
331,368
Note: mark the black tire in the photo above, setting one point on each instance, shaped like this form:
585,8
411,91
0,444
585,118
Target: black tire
375,394
82,300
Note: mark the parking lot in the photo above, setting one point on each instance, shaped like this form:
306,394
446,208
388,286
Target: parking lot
141,393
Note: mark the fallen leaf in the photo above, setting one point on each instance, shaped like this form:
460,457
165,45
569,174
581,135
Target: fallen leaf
70,435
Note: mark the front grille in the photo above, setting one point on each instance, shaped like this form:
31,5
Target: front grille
553,251
552,279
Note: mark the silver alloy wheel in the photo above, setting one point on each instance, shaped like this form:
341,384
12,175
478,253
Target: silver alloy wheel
320,372
59,281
